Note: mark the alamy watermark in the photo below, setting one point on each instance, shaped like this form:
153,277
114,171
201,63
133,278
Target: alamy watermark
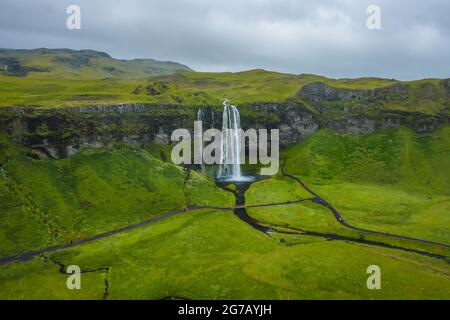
73,21
374,20
374,280
228,147
74,280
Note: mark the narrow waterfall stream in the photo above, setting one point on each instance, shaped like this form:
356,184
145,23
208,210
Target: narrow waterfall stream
201,117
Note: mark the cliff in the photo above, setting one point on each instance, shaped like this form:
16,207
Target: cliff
57,133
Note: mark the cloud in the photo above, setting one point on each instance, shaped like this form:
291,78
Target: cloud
326,37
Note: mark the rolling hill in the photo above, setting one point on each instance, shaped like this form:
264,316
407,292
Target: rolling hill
67,63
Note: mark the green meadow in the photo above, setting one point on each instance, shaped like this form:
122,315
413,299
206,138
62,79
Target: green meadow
391,181
213,255
394,180
187,88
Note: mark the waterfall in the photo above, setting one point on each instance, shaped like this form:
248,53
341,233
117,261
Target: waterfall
212,117
200,114
230,167
200,117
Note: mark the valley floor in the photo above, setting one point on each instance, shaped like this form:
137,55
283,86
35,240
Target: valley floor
208,252
213,255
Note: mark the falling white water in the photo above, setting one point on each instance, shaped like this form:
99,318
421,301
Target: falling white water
212,118
200,117
230,167
200,114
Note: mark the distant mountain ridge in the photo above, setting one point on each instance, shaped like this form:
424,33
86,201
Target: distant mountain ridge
68,63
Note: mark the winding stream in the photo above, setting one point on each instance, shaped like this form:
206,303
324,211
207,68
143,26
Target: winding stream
240,210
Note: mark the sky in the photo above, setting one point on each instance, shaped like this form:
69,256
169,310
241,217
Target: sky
325,37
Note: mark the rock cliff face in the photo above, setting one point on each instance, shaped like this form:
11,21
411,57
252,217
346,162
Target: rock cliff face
57,133
321,92
362,111
63,132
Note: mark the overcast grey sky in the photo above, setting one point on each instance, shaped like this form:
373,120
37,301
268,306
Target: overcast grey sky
327,37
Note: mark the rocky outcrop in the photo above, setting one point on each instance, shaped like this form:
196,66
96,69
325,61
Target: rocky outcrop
362,111
321,92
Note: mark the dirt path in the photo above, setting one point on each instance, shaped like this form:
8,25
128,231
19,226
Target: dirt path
30,254
319,200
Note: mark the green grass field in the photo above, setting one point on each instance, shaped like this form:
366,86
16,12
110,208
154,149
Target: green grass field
390,209
51,202
209,254
310,217
393,180
395,157
214,255
186,88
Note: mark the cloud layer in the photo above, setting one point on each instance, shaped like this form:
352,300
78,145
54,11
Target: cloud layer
327,37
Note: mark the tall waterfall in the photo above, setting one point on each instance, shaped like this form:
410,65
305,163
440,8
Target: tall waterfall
230,167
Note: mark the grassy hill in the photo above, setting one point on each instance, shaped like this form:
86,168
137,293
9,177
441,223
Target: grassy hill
86,85
397,157
64,77
44,203
66,63
392,181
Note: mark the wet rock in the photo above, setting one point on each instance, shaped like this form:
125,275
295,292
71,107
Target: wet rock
162,138
38,154
71,150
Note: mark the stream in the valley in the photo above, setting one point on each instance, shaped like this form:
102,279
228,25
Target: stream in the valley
239,192
240,210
